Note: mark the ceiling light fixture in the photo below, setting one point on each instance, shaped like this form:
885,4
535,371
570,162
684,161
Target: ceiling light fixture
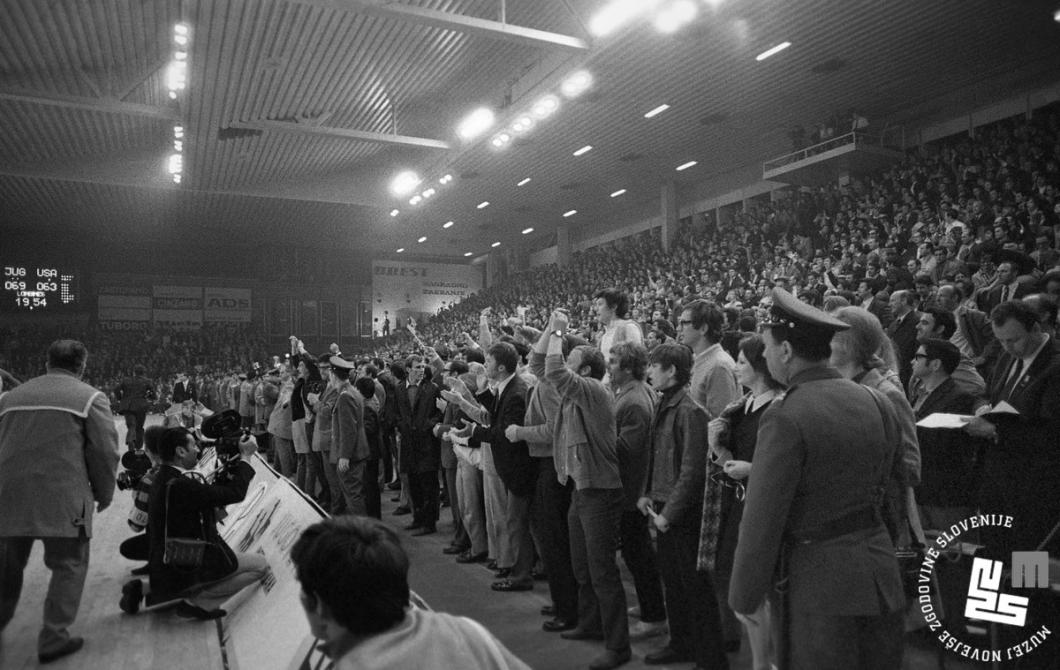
447,224
675,16
495,245
616,14
422,239
584,150
402,249
475,123
544,107
468,254
415,200
395,212
524,182
404,183
657,111
576,84
618,193
484,204
446,179
522,124
527,231
569,213
685,166
773,51
428,193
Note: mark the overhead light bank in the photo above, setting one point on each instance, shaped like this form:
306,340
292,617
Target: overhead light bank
177,83
668,16
772,51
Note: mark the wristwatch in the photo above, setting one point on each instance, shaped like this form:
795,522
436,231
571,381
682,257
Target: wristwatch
557,333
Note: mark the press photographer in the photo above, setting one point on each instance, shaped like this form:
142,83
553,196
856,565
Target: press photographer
188,559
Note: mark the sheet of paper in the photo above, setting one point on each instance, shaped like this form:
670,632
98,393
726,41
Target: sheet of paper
941,420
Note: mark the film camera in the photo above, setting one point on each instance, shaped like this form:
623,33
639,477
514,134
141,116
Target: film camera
136,464
225,430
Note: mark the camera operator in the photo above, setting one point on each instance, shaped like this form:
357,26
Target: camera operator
188,507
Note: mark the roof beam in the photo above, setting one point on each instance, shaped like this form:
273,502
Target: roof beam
450,21
108,106
342,133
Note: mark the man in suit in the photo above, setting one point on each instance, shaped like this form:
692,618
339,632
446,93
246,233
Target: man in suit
948,483
183,389
348,451
506,403
902,331
870,299
842,602
421,452
973,334
1006,287
134,396
1023,465
58,455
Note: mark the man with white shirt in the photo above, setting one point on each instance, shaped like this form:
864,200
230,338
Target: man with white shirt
611,306
713,384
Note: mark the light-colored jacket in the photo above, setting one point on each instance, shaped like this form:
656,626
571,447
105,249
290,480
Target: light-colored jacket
58,456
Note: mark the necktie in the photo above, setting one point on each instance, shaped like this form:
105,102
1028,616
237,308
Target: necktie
1010,385
1004,294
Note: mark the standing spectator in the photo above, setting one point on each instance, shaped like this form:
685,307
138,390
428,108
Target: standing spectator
673,498
366,386
634,408
280,430
585,437
183,389
973,334
450,415
713,382
134,396
58,455
420,450
348,450
810,525
611,307
902,331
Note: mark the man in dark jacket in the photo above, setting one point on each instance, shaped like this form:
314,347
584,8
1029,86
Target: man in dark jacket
134,396
183,507
421,453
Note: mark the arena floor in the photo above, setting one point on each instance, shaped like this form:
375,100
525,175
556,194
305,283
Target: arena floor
161,640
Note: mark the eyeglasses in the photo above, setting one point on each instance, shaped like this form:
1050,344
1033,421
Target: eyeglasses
919,356
684,322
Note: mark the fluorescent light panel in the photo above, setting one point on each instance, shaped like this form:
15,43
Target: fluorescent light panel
524,182
447,224
584,150
685,166
618,193
468,254
401,249
772,52
484,204
495,245
476,123
527,231
657,111
569,213
422,239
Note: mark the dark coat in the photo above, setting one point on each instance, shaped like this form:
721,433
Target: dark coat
191,515
980,335
512,459
948,458
903,334
134,395
184,391
421,451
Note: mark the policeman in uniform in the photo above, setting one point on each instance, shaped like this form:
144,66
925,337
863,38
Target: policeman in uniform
812,538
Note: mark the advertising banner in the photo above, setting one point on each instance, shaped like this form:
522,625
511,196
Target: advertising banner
124,303
404,291
177,307
227,305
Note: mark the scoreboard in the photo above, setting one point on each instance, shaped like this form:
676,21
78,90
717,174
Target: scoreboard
38,288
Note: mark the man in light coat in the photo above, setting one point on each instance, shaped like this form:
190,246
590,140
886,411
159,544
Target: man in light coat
58,455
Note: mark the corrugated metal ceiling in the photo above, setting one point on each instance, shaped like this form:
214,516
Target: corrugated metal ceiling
87,125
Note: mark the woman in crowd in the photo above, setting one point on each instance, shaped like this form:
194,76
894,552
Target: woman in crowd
736,432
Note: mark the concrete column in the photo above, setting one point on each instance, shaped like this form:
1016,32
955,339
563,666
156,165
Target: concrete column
563,245
668,202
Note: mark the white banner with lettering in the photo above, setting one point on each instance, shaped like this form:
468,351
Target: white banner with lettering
178,307
227,305
403,291
124,303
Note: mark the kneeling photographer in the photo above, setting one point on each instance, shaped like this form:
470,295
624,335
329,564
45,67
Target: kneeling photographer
188,558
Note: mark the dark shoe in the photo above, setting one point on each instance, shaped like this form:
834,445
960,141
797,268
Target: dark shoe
558,625
189,611
402,510
503,573
666,656
581,634
509,585
425,530
492,565
548,610
131,595
610,659
732,646
394,485
454,549
396,499
72,645
468,557
413,525
140,571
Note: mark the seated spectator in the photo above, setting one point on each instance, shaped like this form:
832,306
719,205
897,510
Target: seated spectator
355,593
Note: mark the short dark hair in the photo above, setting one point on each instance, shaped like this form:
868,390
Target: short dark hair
676,356
616,299
170,440
457,367
473,355
944,319
706,313
631,356
504,353
366,385
152,438
1014,309
938,349
357,567
594,358
397,368
753,348
69,355
370,370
